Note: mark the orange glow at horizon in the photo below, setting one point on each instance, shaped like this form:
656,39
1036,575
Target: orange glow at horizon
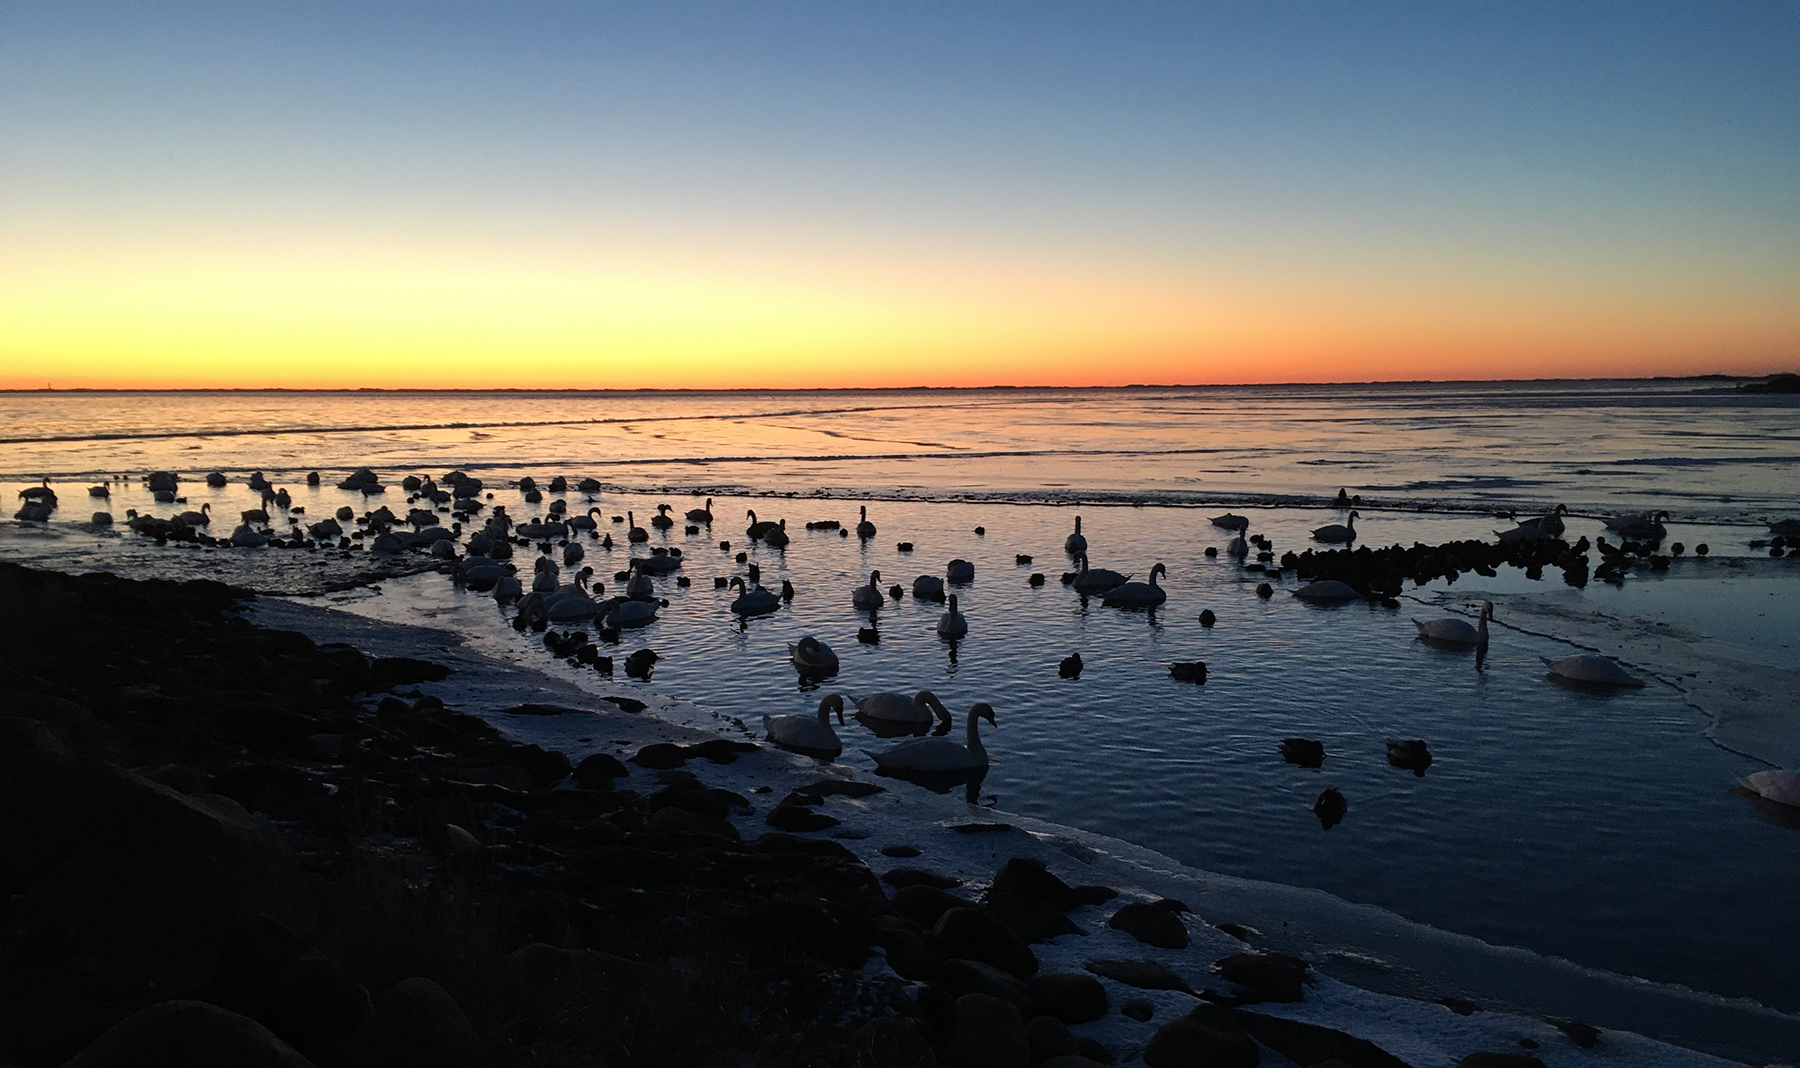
336,318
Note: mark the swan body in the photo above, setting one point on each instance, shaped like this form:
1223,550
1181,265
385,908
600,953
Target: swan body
1138,594
1096,580
1524,532
571,606
757,527
1550,523
630,614
1644,528
1328,591
633,532
1453,631
1239,547
658,563
586,520
753,601
702,516
889,707
928,588
1337,533
941,754
869,596
814,657
959,571
776,537
952,624
1075,543
864,528
1594,671
99,491
808,734
246,538
1779,786
1229,521
661,520
1787,528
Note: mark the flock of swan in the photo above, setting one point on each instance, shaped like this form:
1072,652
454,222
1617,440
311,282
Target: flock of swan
550,600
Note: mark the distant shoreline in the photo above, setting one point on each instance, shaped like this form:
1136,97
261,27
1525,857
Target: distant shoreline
1718,378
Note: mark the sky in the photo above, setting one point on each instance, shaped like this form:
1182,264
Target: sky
745,195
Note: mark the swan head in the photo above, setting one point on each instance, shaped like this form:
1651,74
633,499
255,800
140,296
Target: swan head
982,710
1158,569
737,582
591,511
1487,610
925,699
750,513
832,703
1354,514
661,508
874,577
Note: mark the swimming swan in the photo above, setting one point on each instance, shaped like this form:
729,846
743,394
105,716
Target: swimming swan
1138,594
864,528
1096,580
952,624
1452,631
1593,671
1337,533
1228,521
753,601
1777,785
1075,543
813,657
892,707
757,528
702,516
808,734
869,596
941,754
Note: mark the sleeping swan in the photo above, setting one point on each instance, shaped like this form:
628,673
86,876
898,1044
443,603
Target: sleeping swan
808,734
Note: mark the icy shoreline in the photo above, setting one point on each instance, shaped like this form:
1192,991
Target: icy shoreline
1396,966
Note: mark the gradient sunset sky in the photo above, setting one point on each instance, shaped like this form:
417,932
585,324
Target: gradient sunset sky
851,194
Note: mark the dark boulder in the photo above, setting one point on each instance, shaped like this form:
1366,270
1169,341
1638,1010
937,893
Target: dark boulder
973,977
1275,977
1047,1037
270,974
1071,997
988,1033
1499,1060
419,1025
1029,878
1206,1037
1305,1043
1151,925
1030,919
925,905
1143,974
188,1034
598,771
885,1042
904,877
974,935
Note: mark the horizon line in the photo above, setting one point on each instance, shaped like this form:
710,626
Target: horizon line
1712,377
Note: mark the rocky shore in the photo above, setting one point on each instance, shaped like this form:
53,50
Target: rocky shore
233,844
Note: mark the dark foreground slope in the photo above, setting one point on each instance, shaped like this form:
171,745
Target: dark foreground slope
193,809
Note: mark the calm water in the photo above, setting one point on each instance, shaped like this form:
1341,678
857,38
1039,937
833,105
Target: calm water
1598,828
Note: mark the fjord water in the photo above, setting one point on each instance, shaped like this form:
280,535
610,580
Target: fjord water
1596,827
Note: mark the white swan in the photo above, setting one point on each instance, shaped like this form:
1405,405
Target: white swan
1096,580
813,657
1240,545
1329,591
1550,523
661,520
1453,631
928,588
196,519
1138,594
703,516
869,596
1337,533
1593,671
1228,521
1075,543
584,521
864,528
941,754
808,734
1777,785
890,707
959,570
757,527
246,538
753,601
1644,528
776,537
952,624
633,532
